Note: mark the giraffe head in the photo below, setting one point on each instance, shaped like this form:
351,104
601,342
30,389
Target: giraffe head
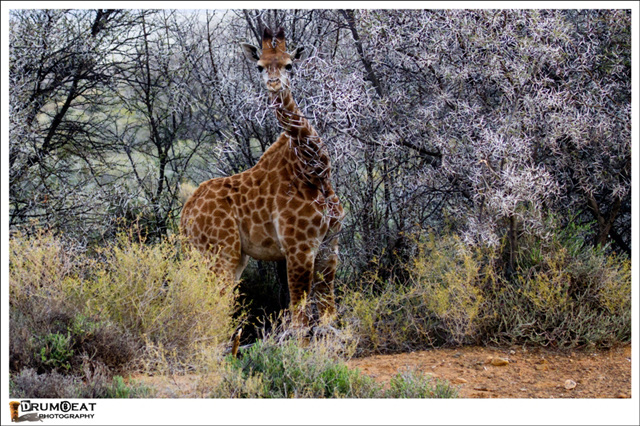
274,63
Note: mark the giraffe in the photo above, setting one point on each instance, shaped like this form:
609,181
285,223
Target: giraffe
284,207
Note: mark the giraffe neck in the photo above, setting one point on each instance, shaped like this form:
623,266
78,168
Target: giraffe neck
305,142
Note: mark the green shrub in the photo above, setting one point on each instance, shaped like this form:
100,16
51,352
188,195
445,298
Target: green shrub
440,304
414,384
29,384
569,298
165,296
564,293
300,369
56,351
127,305
269,370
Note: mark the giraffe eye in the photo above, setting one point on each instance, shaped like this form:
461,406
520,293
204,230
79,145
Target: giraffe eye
288,67
260,68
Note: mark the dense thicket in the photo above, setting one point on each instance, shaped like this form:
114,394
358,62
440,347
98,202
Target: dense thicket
497,125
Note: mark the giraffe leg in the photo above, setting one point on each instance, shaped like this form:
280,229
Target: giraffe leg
244,259
324,274
226,250
228,262
299,275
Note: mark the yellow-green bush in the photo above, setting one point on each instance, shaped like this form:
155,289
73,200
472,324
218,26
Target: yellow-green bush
448,277
39,310
563,293
615,287
440,304
126,302
37,266
165,296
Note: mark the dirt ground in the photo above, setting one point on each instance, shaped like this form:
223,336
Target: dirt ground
481,372
514,373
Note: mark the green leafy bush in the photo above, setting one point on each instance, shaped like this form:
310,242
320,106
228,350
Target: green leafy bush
299,369
414,384
269,370
56,350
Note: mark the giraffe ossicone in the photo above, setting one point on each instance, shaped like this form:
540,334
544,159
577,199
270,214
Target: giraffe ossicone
284,207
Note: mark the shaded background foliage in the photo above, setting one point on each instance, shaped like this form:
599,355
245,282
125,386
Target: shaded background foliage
484,123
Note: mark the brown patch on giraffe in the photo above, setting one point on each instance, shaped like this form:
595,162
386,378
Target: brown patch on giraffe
301,257
264,215
282,199
285,173
291,219
268,242
316,221
309,192
245,226
208,205
255,217
295,204
312,232
289,231
307,210
253,193
269,228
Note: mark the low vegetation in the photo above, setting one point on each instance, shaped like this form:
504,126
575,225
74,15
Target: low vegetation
126,306
29,384
81,320
564,293
303,369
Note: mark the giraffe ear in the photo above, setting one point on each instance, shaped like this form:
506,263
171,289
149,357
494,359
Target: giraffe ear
251,52
298,54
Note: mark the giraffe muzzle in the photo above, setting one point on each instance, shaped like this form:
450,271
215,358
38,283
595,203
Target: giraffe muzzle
274,85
